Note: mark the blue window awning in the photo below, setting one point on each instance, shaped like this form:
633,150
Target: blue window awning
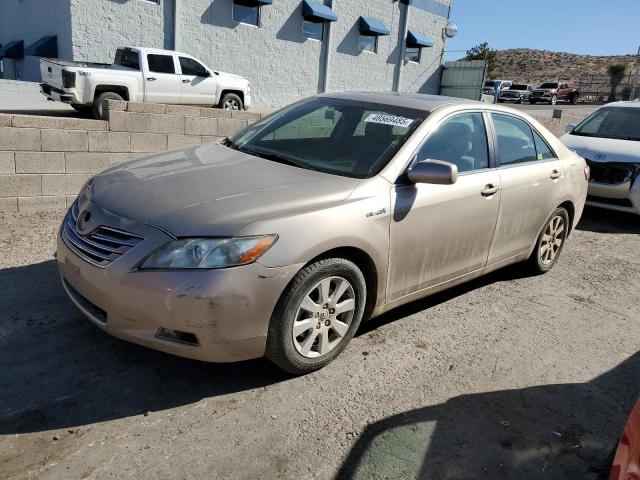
14,50
371,26
317,12
418,40
45,47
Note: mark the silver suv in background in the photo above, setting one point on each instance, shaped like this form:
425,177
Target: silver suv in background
281,240
489,86
518,93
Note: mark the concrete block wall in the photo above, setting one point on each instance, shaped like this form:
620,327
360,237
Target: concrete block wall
44,161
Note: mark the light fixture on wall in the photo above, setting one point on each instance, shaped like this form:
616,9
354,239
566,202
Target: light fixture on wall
451,30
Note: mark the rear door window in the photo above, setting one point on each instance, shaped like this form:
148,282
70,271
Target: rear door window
161,63
543,150
515,140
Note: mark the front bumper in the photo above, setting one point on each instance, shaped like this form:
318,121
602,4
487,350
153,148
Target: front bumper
227,310
623,197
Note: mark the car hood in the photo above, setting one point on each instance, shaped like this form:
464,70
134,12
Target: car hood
212,190
603,149
231,76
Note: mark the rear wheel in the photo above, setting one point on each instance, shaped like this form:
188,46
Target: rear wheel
100,110
231,101
550,242
317,316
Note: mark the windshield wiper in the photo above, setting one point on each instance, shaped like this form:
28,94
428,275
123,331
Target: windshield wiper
274,157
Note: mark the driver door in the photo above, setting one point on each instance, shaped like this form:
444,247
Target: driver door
198,86
442,232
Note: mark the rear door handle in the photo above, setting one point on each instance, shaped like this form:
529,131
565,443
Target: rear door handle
186,81
555,175
151,79
490,190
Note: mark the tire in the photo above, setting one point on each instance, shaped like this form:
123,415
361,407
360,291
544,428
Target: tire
520,101
99,109
542,259
302,354
532,102
554,100
231,101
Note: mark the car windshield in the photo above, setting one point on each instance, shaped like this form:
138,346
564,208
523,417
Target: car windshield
339,136
549,85
518,87
619,123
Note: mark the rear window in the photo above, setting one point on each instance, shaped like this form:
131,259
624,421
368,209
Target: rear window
161,63
127,58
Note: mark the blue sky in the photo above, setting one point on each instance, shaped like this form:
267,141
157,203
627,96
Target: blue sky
589,27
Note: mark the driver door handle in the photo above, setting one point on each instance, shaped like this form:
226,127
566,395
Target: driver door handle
151,79
186,81
490,190
555,175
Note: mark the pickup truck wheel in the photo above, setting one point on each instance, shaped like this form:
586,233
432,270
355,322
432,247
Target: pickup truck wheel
554,100
100,110
231,101
532,102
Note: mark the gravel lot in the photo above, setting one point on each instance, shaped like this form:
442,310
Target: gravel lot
505,377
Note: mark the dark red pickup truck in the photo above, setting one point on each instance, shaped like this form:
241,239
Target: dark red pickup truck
554,92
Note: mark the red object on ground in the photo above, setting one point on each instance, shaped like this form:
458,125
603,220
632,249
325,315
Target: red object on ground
626,463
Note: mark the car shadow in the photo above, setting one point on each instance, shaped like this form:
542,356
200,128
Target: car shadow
549,431
600,220
60,371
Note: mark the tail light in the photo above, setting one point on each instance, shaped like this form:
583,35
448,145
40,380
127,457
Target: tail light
587,173
68,79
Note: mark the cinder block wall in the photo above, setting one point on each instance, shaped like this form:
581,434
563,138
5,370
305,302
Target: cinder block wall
44,161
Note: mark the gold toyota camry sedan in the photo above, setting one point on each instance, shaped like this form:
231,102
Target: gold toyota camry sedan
279,241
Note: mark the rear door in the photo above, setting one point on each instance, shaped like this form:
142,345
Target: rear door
198,86
441,232
532,183
162,82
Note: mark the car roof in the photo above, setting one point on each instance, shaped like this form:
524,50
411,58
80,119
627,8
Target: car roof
408,100
631,104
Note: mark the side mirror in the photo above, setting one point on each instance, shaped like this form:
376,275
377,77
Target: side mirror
436,172
570,127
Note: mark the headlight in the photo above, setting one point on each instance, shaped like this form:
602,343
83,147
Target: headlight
209,252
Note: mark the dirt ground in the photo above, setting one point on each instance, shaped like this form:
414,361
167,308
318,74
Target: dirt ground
505,377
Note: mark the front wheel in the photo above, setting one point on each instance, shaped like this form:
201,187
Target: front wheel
231,101
317,315
532,102
550,242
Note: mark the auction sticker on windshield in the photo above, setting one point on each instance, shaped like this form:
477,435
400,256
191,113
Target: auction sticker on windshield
389,120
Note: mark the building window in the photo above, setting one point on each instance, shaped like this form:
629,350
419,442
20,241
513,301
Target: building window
161,63
313,30
246,11
412,54
368,43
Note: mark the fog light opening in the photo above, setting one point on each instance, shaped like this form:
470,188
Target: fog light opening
177,336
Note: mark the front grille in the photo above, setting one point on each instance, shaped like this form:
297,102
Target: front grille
102,246
612,173
619,202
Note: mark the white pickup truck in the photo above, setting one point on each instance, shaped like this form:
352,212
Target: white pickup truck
142,75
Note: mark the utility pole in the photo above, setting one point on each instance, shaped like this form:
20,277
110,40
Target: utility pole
635,91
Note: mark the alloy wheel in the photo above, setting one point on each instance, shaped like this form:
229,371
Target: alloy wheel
552,240
231,104
323,317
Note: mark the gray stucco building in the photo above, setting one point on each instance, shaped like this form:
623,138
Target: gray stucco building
288,49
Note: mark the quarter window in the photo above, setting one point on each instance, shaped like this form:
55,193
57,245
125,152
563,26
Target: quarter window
515,140
190,66
161,63
245,11
313,30
543,150
412,54
461,140
368,43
